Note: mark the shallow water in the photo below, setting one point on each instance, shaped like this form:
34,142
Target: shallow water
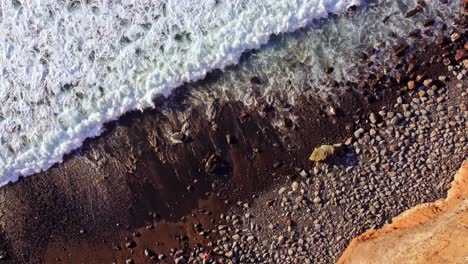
68,68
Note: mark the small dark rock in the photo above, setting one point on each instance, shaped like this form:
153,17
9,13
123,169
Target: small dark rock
415,33
287,123
264,107
230,139
149,253
215,165
429,22
411,68
277,164
440,40
349,127
3,255
179,137
116,248
352,8
255,80
461,55
130,244
413,11
446,61
400,49
190,188
290,223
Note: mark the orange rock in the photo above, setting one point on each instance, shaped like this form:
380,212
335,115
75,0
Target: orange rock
428,233
411,85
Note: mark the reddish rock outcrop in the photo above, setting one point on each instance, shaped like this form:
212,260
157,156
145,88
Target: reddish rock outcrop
428,233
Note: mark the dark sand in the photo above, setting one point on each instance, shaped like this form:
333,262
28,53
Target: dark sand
133,177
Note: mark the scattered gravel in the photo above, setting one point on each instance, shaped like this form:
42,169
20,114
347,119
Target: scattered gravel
397,159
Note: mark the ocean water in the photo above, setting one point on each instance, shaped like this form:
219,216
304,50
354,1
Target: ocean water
67,67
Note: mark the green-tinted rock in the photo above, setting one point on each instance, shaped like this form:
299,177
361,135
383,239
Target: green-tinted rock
322,153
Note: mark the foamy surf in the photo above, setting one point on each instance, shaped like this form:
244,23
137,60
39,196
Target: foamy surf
69,67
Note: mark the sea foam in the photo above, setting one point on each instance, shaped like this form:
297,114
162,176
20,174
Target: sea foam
68,67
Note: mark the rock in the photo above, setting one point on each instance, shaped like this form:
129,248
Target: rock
281,190
429,22
331,110
461,55
215,165
358,133
161,256
322,153
317,200
400,49
149,253
463,107
255,80
446,61
277,164
280,240
230,139
422,234
129,261
295,186
411,85
373,118
455,36
440,40
420,78
413,11
428,82
287,123
3,255
179,137
289,223
130,244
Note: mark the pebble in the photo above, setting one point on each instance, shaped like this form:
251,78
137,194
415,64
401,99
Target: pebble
358,132
378,175
281,190
295,186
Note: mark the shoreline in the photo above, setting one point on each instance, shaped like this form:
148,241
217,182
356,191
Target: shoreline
134,176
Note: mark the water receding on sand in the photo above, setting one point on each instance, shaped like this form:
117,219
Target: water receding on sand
92,63
69,67
327,51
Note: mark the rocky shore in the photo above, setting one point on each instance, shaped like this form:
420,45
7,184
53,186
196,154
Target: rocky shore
432,232
170,186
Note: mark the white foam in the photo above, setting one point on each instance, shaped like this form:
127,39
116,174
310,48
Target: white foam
69,67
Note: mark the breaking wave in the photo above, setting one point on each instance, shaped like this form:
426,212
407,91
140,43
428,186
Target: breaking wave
70,66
